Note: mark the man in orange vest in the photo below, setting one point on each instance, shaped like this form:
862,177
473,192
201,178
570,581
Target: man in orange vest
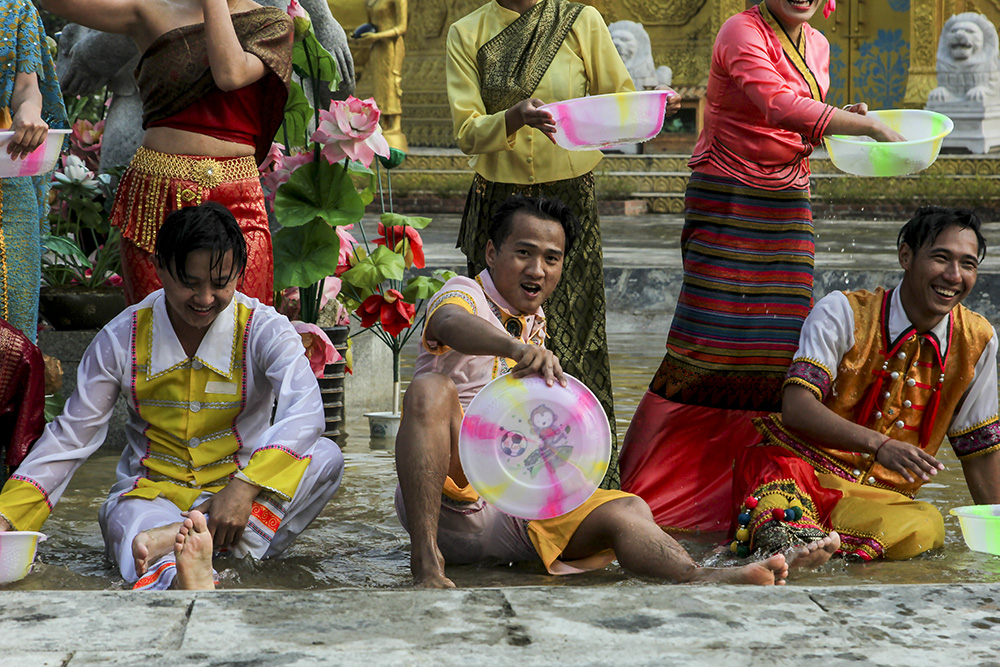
879,379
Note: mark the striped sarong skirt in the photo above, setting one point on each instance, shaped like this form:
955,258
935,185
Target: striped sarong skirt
748,278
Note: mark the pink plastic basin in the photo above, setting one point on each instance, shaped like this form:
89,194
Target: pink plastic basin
605,121
39,161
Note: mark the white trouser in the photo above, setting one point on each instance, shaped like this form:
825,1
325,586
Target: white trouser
271,528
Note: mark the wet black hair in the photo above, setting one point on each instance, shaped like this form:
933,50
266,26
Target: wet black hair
546,208
929,221
209,226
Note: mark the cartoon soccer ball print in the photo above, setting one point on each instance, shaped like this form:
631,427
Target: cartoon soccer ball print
513,443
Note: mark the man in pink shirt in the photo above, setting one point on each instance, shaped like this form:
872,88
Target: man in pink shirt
478,329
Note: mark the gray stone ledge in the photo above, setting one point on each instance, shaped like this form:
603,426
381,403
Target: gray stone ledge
625,624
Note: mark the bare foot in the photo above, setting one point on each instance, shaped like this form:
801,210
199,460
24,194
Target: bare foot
193,551
427,566
813,554
770,572
151,545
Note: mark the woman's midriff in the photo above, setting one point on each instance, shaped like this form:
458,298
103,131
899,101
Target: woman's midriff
181,142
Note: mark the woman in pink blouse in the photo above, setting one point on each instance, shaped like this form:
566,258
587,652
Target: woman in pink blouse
747,247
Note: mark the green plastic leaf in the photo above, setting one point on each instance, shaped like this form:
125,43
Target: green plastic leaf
53,406
376,267
298,113
358,168
421,287
305,254
318,190
445,275
396,219
60,245
310,57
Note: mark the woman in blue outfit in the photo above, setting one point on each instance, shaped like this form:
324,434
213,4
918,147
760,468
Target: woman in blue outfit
30,103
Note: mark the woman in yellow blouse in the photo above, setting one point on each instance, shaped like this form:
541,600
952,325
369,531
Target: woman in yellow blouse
505,60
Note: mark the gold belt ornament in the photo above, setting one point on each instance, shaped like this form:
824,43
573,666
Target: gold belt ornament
205,171
149,179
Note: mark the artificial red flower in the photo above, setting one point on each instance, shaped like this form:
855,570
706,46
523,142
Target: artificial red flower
405,241
390,309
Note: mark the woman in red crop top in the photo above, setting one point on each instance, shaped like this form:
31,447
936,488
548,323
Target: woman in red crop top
213,79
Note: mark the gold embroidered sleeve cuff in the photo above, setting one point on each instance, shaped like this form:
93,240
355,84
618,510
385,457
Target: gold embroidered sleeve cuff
979,440
24,504
276,469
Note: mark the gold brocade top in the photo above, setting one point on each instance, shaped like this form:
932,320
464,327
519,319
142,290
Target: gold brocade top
586,63
908,386
174,72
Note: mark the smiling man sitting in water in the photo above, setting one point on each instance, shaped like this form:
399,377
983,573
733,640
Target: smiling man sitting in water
205,468
879,379
476,330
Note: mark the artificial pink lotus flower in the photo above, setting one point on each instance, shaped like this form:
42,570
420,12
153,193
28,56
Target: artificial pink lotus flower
350,129
390,309
277,168
300,19
347,245
85,142
275,156
403,240
319,350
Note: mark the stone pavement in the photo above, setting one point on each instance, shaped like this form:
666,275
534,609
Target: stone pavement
623,625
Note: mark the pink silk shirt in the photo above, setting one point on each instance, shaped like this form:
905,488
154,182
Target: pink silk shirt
761,121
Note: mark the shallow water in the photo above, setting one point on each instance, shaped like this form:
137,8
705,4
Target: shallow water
357,542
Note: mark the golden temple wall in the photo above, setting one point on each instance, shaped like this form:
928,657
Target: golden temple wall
682,33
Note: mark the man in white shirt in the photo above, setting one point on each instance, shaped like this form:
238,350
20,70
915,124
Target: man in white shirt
880,378
205,467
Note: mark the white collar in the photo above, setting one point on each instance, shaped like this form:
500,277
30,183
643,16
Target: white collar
215,351
900,323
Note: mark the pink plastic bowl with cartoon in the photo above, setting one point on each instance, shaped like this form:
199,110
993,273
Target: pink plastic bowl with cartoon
39,161
535,451
606,121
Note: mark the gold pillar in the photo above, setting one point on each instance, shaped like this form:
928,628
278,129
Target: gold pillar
927,17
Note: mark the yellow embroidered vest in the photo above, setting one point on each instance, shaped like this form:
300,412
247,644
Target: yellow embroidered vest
907,374
191,410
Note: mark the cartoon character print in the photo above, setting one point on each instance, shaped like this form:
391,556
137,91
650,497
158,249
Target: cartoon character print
553,451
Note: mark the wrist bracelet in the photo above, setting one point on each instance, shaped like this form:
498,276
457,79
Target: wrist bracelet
875,454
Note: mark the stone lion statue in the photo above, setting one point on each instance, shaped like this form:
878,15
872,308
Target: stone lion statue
968,60
632,42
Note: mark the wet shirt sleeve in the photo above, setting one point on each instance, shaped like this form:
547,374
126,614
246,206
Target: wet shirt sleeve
29,495
461,292
975,428
277,459
827,335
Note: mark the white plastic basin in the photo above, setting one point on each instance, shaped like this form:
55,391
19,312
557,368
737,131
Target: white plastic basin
17,553
863,156
980,527
39,161
605,121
